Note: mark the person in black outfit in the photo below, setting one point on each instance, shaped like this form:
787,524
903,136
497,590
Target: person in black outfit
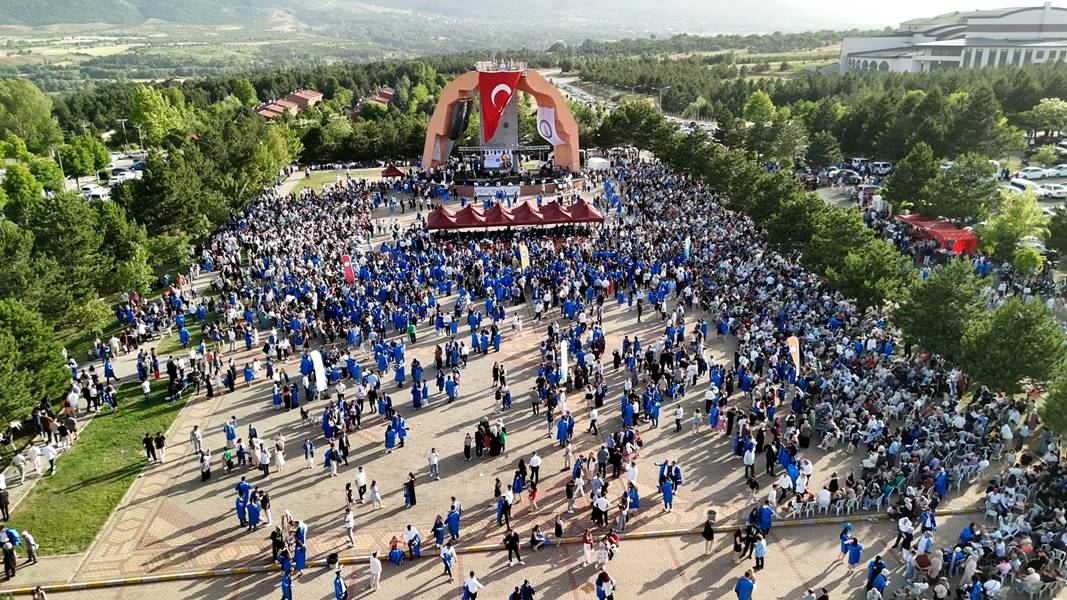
511,542
149,448
5,504
9,561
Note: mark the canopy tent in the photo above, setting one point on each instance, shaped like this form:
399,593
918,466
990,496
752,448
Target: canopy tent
956,240
498,216
583,212
915,220
551,213
598,164
392,171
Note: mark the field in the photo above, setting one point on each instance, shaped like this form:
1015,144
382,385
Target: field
93,476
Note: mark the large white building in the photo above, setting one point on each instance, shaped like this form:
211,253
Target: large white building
975,39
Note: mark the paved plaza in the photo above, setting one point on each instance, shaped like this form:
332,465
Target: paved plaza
171,522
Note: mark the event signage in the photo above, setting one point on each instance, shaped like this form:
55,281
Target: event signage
495,89
346,265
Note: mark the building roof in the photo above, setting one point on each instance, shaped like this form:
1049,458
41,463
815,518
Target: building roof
902,52
986,42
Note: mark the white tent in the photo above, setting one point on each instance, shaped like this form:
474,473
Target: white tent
598,164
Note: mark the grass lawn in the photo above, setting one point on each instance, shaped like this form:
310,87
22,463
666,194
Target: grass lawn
66,511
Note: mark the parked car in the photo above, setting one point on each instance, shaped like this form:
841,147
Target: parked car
1054,190
95,193
121,177
138,154
861,191
1057,171
881,168
848,175
137,166
1033,173
1025,185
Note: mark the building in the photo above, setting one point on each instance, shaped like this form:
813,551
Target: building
294,104
972,39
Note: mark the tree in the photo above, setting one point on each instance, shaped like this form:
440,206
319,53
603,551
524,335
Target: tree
978,125
91,315
1057,231
965,191
790,140
1019,216
838,230
1026,259
154,114
906,184
38,354
1050,114
758,109
823,150
1045,155
1014,343
169,252
244,92
15,398
1053,410
46,171
873,273
934,312
65,229
793,224
19,271
84,155
24,193
26,112
634,123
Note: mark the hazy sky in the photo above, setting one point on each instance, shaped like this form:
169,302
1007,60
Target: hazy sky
885,12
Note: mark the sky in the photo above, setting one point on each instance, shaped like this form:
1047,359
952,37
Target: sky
716,16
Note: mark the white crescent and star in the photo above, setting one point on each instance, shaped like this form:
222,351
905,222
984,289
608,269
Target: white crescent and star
502,87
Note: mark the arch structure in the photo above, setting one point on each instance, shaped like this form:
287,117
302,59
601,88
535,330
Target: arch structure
465,87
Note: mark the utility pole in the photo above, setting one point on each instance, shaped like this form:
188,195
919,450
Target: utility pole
59,158
125,140
660,90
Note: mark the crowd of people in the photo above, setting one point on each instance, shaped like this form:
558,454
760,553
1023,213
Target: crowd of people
297,276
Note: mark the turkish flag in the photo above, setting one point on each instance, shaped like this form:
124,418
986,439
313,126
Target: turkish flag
495,88
346,265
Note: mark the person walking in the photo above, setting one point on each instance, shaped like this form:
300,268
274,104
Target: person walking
708,534
433,458
5,504
744,586
448,555
511,543
196,439
160,442
374,566
471,587
149,448
535,468
760,551
350,526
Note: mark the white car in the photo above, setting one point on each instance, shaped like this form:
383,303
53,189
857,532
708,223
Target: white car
1057,171
1054,190
121,177
1025,185
1033,173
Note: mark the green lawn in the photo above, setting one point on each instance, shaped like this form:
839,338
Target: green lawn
66,511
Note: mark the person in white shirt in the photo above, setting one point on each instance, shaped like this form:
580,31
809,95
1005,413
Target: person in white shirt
448,556
593,416
350,526
196,439
631,473
905,531
535,466
50,454
822,499
433,459
375,567
361,483
472,585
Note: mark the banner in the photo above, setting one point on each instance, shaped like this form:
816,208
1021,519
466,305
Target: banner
563,362
491,190
524,256
346,266
320,371
794,350
495,89
546,125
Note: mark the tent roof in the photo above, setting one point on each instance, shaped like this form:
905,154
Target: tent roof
498,216
526,214
583,212
441,218
914,219
392,171
553,213
469,216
